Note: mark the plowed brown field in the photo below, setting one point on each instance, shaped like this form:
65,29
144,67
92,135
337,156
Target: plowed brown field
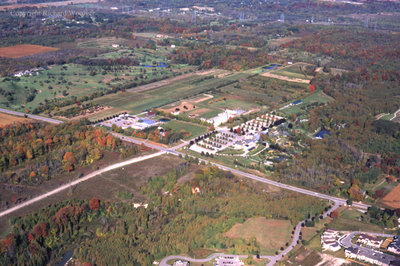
24,50
393,198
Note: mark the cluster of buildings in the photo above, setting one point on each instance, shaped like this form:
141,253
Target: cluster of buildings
370,241
222,260
224,117
125,121
244,137
370,256
329,240
394,246
215,143
31,72
228,260
259,124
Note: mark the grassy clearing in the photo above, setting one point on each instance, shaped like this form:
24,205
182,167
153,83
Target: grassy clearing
6,119
317,97
194,129
234,104
69,80
231,151
294,71
349,221
271,234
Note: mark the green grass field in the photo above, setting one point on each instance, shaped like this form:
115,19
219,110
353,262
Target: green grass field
348,221
316,97
194,129
293,71
271,234
69,80
231,151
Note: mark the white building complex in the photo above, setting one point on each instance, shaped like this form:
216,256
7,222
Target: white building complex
329,240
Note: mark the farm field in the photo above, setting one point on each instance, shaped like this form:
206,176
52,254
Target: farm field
260,90
6,119
24,50
137,102
39,5
393,198
271,234
194,129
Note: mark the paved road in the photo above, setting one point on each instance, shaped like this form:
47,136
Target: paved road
272,259
395,115
296,237
211,257
275,183
162,150
174,152
37,117
84,178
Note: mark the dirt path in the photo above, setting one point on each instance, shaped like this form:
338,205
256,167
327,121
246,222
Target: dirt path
272,75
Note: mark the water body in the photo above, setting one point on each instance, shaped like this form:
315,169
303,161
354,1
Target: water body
162,65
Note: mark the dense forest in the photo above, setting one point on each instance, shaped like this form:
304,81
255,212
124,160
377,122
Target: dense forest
208,56
360,148
34,152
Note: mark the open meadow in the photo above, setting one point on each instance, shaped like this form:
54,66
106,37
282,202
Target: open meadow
6,119
270,233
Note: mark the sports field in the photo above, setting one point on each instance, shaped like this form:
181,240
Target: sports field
21,50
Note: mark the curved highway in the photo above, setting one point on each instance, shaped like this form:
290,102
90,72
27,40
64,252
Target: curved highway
37,117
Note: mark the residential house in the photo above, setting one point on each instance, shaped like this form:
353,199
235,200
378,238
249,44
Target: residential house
228,260
329,240
370,256
181,263
370,241
394,247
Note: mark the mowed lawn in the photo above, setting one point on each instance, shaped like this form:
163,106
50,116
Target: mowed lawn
194,129
271,234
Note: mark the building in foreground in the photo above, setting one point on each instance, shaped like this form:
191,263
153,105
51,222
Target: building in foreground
329,240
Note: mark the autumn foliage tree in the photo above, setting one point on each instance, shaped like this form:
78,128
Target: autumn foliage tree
94,204
334,214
